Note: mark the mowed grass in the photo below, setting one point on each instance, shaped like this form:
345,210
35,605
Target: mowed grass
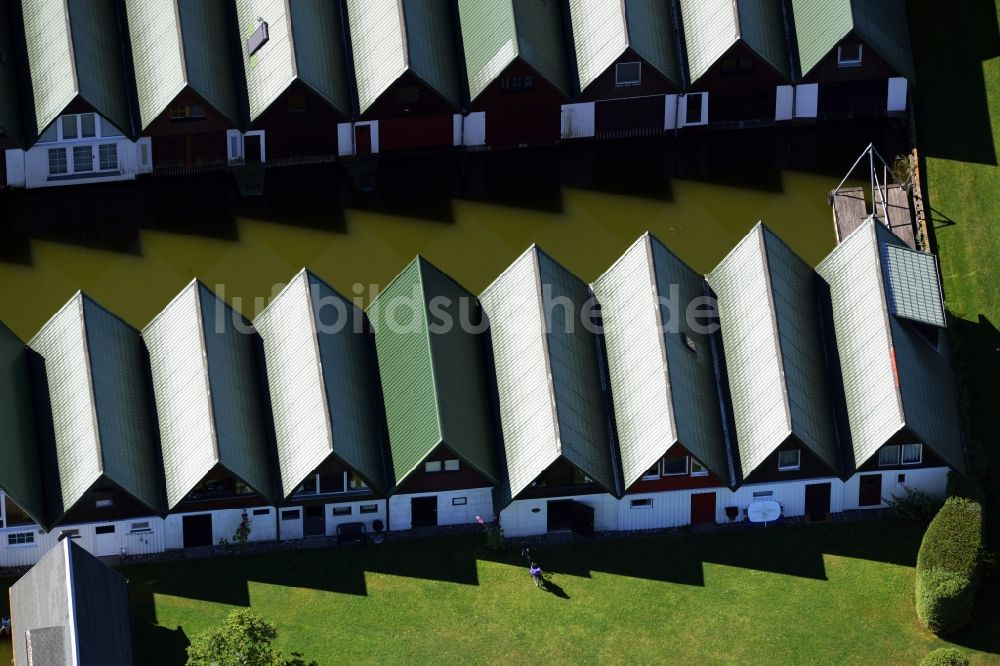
833,594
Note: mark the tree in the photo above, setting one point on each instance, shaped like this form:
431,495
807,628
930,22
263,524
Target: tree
244,639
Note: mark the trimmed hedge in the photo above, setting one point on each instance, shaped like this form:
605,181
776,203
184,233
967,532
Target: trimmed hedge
946,656
948,566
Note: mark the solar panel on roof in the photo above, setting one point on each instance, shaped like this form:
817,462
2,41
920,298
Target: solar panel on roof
913,285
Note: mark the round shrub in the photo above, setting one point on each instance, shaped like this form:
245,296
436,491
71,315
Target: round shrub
946,656
948,566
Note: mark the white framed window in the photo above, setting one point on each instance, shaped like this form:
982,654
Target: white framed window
789,460
69,534
452,465
913,454
21,539
653,472
108,156
83,159
342,510
57,161
104,529
262,512
432,466
459,501
290,514
849,54
641,503
888,456
675,466
368,508
693,109
758,494
104,503
697,469
628,74
78,127
140,527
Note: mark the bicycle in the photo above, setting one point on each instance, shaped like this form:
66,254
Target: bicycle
537,575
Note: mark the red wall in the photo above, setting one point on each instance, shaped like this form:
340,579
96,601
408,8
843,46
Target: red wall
747,96
528,118
675,482
423,482
872,67
603,87
428,103
187,143
415,132
311,132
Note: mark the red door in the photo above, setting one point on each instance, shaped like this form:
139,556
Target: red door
362,139
702,508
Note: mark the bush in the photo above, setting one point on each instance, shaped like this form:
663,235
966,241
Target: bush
946,656
244,639
948,566
915,505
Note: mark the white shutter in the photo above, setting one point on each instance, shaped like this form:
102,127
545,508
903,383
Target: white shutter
144,155
345,139
784,103
456,129
896,99
806,97
474,130
234,146
670,112
15,167
577,121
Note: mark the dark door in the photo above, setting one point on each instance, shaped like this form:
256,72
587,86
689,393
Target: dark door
559,515
424,511
198,530
870,490
702,508
817,500
251,148
315,521
362,139
582,520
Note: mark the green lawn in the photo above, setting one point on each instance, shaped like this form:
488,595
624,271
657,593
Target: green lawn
837,593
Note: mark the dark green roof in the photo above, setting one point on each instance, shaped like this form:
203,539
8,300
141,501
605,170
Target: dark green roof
548,375
71,604
208,398
711,27
390,38
305,43
893,379
94,368
19,473
496,32
881,24
433,376
769,315
664,391
321,376
10,107
603,31
75,51
179,44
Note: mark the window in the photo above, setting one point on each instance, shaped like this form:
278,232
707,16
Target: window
742,65
763,493
104,501
692,106
69,534
641,503
108,156
654,472
290,514
83,159
257,38
628,74
788,459
675,466
459,501
88,125
21,539
51,133
104,529
343,510
432,466
901,479
849,54
262,512
912,454
697,469
517,84
369,508
296,103
140,528
451,465
57,161
69,130
407,95
888,456
185,112
689,342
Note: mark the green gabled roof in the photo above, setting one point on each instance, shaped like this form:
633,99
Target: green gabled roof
94,368
75,50
769,316
178,44
391,37
433,377
711,27
893,379
10,107
305,42
208,398
548,374
881,24
496,32
664,392
321,376
20,477
603,31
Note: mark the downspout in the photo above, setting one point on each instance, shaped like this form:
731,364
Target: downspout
721,386
678,30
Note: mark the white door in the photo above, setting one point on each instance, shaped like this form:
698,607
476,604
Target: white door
144,155
806,99
693,110
105,540
784,103
234,146
474,129
896,100
15,167
577,120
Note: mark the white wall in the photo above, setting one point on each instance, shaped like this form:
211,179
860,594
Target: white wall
931,480
519,518
36,163
294,529
478,502
137,543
